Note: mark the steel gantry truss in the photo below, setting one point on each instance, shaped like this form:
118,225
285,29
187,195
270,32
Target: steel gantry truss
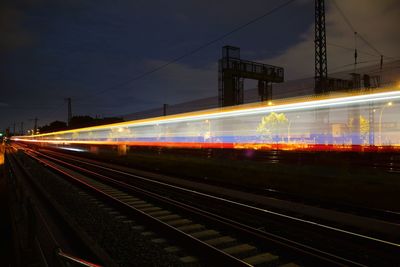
321,65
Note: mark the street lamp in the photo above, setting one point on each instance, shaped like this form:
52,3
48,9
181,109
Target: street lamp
380,121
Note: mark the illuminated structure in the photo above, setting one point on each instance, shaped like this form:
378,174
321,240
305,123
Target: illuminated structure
286,124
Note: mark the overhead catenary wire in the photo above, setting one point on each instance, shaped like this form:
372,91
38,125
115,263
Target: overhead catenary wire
352,49
352,64
356,34
201,47
352,28
360,51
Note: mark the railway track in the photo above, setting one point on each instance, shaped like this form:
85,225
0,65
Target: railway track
384,216
214,239
369,212
39,243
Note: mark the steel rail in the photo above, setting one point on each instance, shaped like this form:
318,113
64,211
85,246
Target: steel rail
60,254
294,245
191,191
388,216
208,252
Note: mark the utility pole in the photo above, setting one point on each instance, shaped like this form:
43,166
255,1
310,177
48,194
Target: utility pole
321,64
22,128
380,72
355,52
68,99
13,128
165,106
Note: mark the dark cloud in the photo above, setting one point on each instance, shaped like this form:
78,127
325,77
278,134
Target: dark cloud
12,32
90,50
376,21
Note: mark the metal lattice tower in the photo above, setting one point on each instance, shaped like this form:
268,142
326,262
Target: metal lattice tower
321,64
231,74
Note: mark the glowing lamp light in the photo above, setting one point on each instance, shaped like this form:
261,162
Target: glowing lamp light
207,135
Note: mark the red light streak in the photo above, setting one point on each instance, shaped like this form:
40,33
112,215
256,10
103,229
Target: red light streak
199,145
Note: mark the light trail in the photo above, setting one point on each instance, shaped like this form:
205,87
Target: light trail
237,127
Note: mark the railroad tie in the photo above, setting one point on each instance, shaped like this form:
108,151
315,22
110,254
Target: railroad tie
120,194
158,240
205,234
223,240
149,209
188,259
262,258
179,222
172,249
159,213
191,227
128,221
239,249
128,198
107,190
290,264
138,228
148,205
148,233
168,217
136,202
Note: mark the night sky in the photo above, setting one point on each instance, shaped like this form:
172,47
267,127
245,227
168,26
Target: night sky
91,50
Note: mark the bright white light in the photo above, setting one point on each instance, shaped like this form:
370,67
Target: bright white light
285,107
73,149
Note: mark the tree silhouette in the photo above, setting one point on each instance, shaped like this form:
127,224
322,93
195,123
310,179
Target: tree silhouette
272,126
364,127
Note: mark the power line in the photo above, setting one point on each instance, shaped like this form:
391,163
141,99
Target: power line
353,29
201,47
344,16
359,51
369,44
362,52
336,68
351,64
351,49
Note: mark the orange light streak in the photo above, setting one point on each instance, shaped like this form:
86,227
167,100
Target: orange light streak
198,145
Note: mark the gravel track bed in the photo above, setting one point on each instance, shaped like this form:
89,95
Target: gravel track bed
126,241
